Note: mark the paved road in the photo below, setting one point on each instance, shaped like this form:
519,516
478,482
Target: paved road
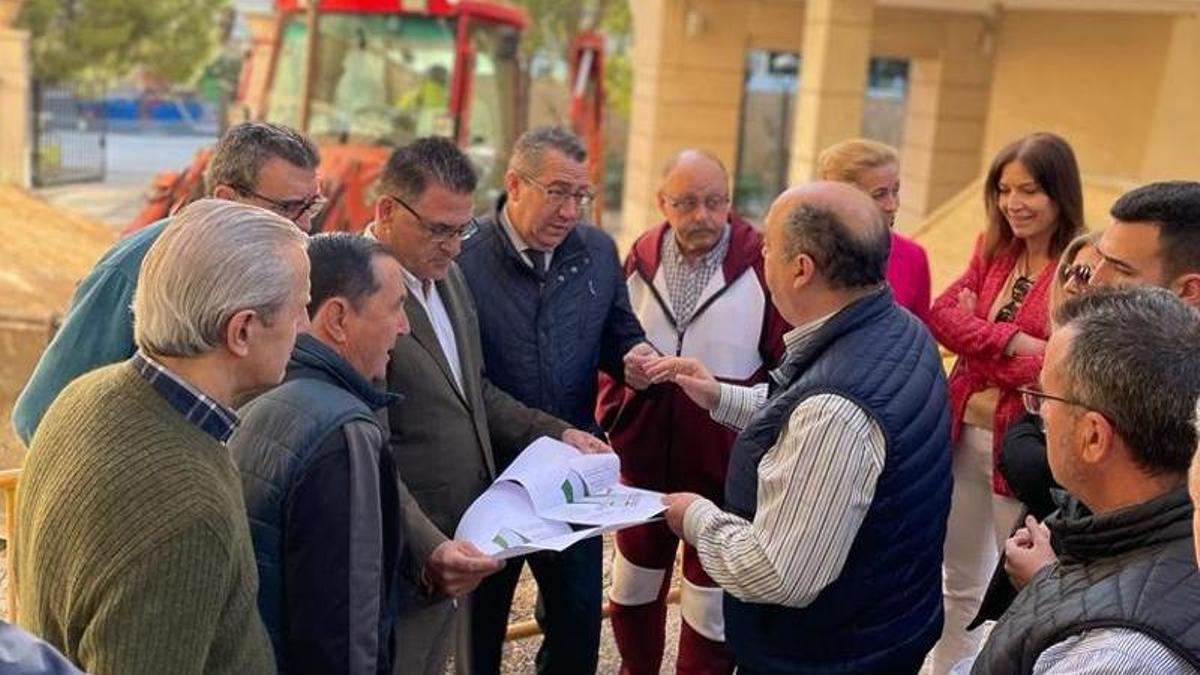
132,162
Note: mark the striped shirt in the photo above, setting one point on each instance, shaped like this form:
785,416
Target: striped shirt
687,281
213,418
814,488
1103,651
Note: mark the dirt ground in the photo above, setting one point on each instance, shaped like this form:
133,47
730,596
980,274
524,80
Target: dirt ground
519,656
44,252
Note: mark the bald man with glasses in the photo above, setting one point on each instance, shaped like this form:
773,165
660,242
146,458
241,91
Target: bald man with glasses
697,284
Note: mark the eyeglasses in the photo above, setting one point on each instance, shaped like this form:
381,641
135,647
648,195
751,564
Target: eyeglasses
294,210
557,196
1034,398
441,232
1080,273
690,203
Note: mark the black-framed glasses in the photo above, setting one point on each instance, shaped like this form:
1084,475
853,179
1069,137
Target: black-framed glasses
558,196
1080,273
440,232
293,209
689,203
1033,398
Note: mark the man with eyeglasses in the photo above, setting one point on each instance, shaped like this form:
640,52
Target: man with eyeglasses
257,163
697,285
553,310
1117,394
453,422
1154,240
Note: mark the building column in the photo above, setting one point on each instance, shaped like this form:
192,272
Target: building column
945,123
688,64
833,79
16,131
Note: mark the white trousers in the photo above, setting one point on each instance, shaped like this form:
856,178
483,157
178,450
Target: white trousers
979,523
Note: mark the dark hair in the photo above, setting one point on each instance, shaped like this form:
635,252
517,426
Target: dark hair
530,149
340,267
411,168
1051,162
243,150
1135,359
1175,207
846,260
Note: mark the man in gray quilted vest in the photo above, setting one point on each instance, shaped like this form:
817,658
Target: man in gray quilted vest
1117,396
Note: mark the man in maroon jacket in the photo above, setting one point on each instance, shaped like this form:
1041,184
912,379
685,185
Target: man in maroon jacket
696,284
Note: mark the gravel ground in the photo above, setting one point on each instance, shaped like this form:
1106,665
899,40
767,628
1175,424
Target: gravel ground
519,656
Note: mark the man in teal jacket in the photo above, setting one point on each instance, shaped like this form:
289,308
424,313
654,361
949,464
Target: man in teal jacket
255,163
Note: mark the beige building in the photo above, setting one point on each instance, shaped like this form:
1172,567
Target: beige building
1120,79
15,122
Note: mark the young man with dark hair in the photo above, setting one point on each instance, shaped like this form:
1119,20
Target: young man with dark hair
1154,240
319,483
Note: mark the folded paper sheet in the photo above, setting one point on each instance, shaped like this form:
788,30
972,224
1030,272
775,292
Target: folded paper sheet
552,496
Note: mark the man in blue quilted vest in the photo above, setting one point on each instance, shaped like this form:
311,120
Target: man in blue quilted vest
829,546
320,487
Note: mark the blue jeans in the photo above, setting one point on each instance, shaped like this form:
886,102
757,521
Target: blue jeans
568,611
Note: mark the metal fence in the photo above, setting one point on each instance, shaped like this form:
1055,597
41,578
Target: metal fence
68,137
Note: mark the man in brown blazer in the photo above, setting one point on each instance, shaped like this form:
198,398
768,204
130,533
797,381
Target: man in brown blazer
444,430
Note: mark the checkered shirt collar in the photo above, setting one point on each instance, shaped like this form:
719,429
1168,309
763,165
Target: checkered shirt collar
210,416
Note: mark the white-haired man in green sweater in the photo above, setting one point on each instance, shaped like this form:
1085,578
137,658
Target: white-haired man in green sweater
133,552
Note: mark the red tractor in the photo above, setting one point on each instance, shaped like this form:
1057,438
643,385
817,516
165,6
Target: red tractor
362,77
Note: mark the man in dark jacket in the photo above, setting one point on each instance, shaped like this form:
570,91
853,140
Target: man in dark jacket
1117,393
553,310
320,487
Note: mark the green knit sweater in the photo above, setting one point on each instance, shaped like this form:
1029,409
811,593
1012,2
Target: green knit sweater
133,552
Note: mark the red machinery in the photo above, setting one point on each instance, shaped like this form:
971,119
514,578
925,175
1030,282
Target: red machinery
361,77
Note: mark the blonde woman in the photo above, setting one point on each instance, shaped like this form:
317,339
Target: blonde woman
875,169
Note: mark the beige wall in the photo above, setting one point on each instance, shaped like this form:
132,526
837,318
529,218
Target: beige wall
1122,86
15,120
1093,78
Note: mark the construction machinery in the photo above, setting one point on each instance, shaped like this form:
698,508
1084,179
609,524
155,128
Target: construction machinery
361,77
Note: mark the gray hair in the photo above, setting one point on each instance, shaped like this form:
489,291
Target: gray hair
846,260
244,149
529,152
412,168
1135,359
214,259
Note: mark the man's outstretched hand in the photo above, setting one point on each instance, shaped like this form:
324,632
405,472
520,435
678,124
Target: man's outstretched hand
691,376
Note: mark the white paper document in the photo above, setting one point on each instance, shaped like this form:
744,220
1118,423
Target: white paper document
552,496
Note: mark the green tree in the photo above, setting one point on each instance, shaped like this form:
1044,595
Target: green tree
103,39
555,23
